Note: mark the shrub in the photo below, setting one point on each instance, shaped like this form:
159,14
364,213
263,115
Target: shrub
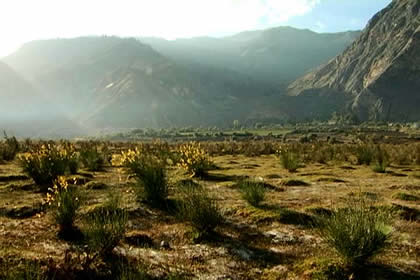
105,227
194,159
252,192
65,201
91,157
364,154
357,232
47,163
381,159
9,148
150,173
289,159
199,209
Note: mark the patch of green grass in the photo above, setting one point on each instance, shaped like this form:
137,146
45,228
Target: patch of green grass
66,206
253,192
152,182
405,196
357,232
289,160
91,157
199,209
105,227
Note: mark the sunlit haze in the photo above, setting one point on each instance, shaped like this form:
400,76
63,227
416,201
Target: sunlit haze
25,20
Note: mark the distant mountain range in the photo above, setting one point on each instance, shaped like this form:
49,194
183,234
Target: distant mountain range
94,83
276,55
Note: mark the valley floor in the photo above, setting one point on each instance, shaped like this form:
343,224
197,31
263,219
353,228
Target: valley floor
252,243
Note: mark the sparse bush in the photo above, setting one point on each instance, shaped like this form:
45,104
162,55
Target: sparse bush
289,159
381,160
150,172
199,209
47,163
357,232
252,192
65,201
9,148
365,154
105,227
91,156
194,159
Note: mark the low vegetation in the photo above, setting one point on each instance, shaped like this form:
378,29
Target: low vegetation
46,163
289,159
198,208
358,232
253,192
143,214
150,172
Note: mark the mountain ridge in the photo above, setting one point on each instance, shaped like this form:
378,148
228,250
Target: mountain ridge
378,72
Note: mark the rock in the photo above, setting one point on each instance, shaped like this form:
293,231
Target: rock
281,237
243,253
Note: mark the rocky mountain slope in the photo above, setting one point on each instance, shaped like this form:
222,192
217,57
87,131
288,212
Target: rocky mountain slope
276,55
379,74
121,83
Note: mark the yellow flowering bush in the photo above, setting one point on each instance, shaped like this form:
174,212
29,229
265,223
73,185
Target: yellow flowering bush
65,201
150,172
45,164
194,159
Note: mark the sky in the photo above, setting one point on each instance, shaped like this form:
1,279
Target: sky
26,20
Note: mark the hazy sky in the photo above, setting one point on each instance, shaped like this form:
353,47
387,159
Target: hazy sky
26,20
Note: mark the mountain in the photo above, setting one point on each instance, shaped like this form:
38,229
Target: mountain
378,76
110,82
25,112
277,56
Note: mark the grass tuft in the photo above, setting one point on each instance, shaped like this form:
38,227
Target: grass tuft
253,192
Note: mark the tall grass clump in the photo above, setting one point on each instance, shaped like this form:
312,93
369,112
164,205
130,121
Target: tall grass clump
105,227
194,159
9,148
364,153
46,164
358,232
65,201
91,156
289,159
252,192
381,160
199,209
150,172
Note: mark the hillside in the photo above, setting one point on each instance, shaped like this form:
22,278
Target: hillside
276,55
122,83
25,112
379,73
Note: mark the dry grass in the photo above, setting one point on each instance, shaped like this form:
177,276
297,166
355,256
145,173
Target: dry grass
274,241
